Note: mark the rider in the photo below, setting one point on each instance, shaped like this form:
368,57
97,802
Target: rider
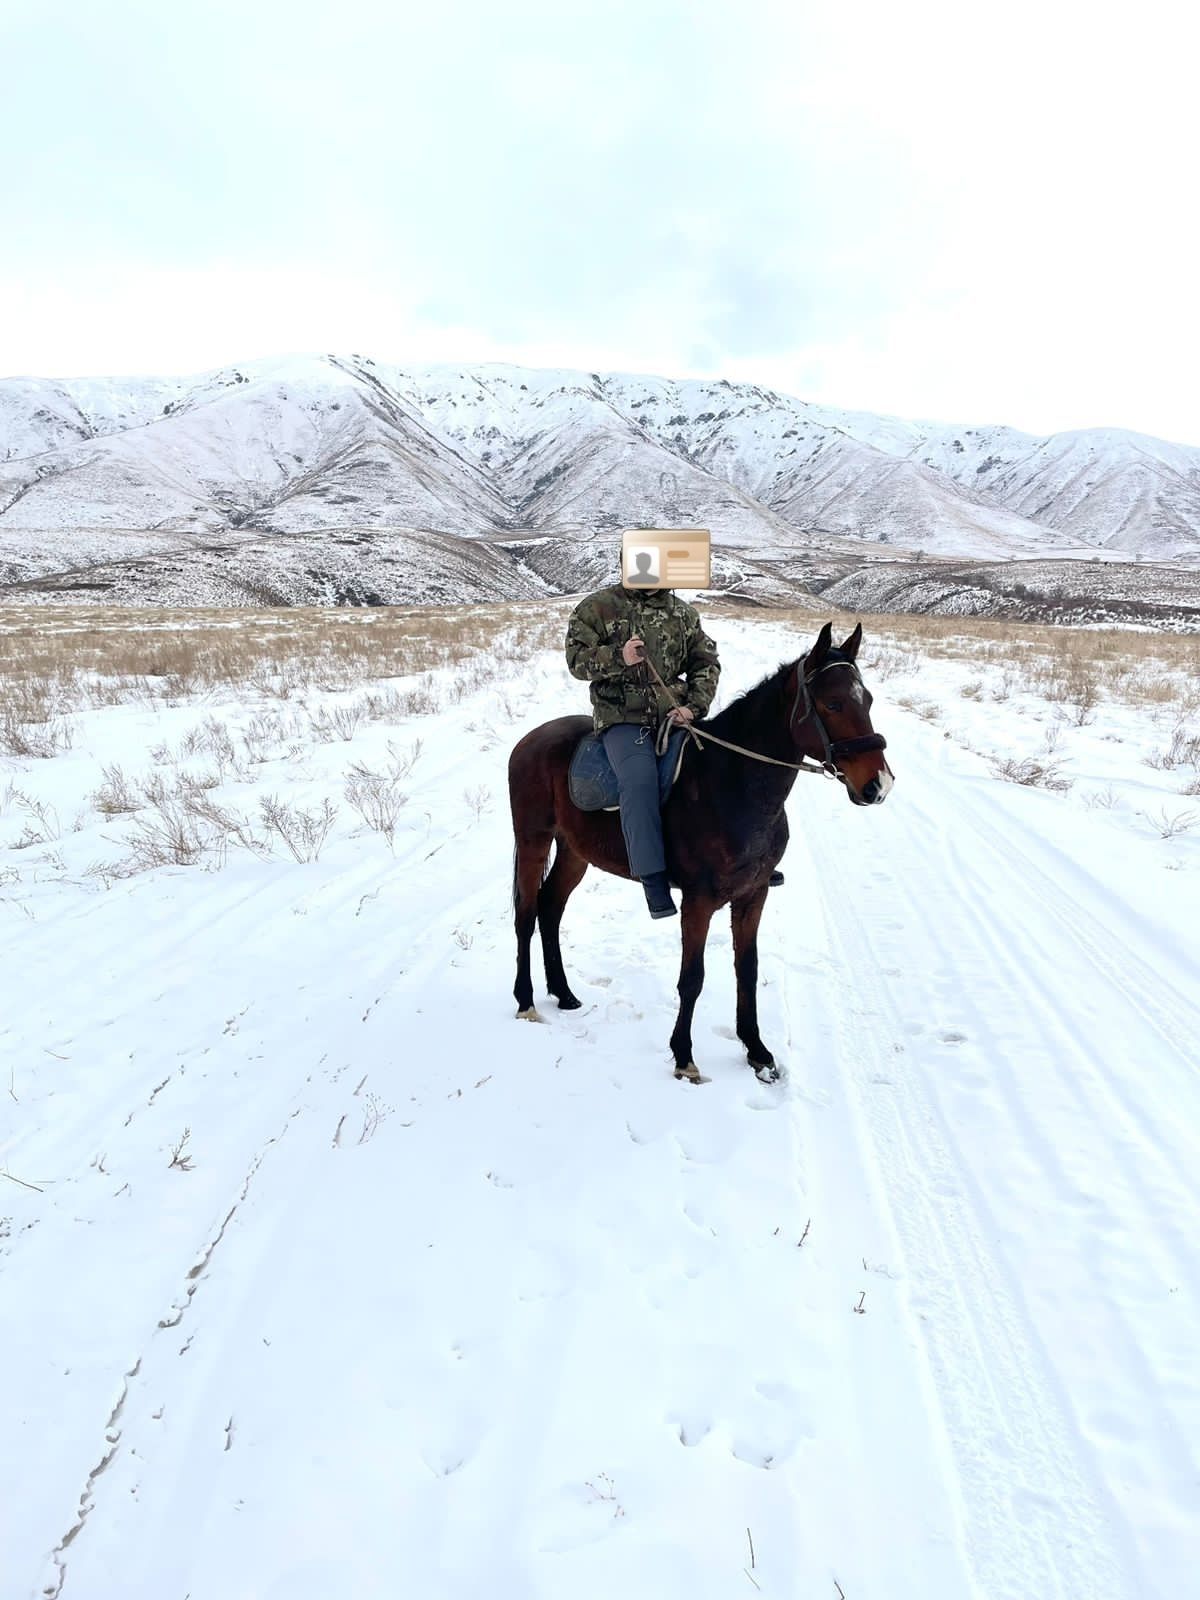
611,636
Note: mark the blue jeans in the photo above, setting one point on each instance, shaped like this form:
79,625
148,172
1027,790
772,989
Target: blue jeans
631,751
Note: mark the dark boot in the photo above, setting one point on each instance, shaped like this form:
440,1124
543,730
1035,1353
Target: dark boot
776,878
658,895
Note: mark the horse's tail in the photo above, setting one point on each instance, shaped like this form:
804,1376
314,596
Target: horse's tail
546,865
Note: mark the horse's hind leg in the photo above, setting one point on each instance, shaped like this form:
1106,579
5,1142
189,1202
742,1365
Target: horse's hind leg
529,863
569,867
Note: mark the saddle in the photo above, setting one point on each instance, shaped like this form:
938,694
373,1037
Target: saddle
592,783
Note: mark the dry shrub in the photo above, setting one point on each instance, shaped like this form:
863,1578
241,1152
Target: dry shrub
263,735
337,722
378,800
1170,826
925,709
41,826
1105,799
1183,751
212,738
303,832
181,825
117,795
1033,773
32,740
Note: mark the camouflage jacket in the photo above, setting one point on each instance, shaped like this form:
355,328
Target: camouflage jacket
675,642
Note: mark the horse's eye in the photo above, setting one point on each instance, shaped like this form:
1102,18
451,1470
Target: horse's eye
834,705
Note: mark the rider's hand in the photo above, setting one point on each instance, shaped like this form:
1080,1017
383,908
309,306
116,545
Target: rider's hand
681,714
633,652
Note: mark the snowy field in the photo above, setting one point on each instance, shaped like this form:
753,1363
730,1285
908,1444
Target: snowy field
324,1278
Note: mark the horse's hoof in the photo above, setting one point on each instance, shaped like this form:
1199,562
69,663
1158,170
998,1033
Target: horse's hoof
766,1071
530,1014
691,1074
569,1002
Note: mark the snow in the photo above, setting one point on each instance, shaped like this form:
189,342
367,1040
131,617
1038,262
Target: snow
433,1301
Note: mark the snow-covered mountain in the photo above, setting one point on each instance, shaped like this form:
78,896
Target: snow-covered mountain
308,443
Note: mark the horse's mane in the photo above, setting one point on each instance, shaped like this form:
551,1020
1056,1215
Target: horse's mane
761,701
745,709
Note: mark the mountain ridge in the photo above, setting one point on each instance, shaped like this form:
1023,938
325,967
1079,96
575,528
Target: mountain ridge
299,443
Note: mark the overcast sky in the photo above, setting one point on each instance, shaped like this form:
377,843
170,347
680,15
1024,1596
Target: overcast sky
965,212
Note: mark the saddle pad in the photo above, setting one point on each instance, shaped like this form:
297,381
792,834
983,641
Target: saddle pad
592,783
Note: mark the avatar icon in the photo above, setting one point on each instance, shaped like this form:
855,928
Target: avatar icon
642,570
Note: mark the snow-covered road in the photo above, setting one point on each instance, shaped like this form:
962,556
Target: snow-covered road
434,1302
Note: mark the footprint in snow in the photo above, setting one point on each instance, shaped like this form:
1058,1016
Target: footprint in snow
692,1430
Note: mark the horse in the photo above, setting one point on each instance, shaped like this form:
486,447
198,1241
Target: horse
724,825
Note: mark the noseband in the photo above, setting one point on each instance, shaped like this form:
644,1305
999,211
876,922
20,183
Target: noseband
803,708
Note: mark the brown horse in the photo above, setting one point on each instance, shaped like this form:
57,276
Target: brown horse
724,825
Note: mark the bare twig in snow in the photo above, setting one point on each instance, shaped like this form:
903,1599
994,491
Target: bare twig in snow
12,1178
179,1155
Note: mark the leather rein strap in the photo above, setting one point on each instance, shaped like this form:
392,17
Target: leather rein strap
834,748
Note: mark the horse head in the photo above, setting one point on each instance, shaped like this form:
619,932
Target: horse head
831,718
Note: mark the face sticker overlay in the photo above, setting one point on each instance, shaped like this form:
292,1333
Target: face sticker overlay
666,558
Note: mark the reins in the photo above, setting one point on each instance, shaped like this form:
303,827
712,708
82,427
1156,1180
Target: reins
833,748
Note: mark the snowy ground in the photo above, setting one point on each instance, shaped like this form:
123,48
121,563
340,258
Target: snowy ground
322,1276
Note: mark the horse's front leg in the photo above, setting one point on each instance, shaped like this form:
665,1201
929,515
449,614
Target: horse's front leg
697,914
745,916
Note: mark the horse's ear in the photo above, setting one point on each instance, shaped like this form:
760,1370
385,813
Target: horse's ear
849,647
820,650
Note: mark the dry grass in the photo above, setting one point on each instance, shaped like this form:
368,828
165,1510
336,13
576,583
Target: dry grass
1074,668
58,660
54,659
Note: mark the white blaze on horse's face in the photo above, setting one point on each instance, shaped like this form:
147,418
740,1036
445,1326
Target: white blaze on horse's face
869,790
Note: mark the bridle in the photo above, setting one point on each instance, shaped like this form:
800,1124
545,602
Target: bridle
833,749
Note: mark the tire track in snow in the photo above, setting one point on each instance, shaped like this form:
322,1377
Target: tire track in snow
1141,987
922,1157
1002,1413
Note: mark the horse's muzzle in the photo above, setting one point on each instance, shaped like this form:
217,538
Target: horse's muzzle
875,791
